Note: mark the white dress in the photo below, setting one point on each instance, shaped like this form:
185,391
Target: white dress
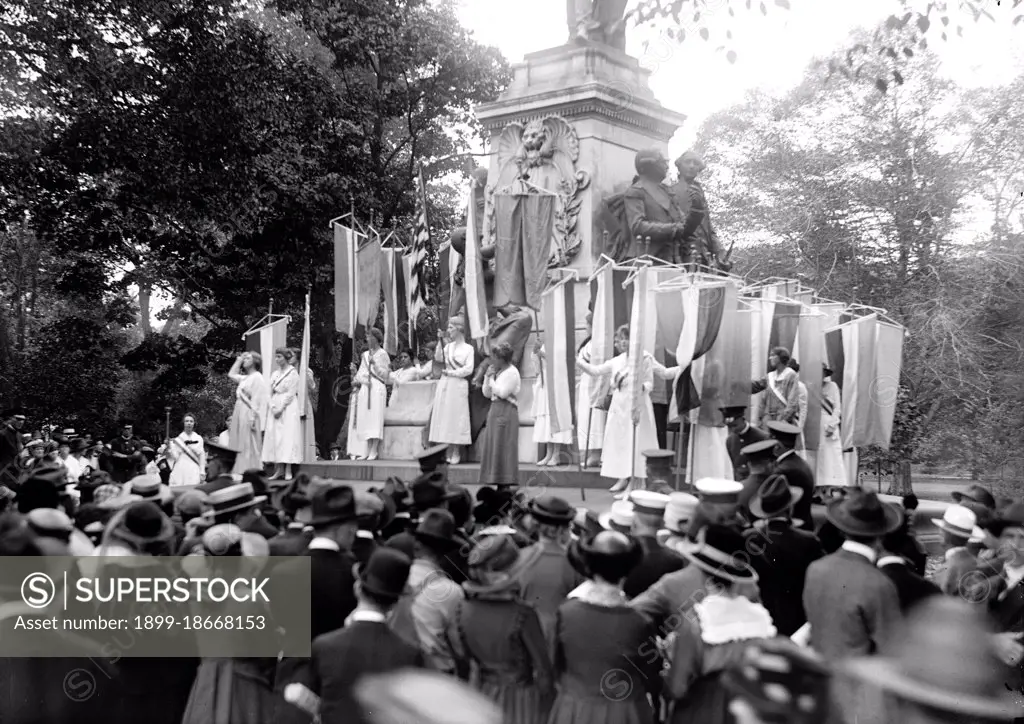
449,418
618,431
283,440
188,456
367,419
542,432
589,422
830,469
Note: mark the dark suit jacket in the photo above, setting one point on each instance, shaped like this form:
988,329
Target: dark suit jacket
951,574
781,556
658,560
910,587
652,211
799,475
340,658
736,442
290,542
852,606
1007,610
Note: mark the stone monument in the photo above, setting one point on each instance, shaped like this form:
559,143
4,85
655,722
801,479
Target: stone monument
571,123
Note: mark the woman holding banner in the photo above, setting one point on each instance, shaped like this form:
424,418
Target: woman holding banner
622,457
187,455
500,464
449,417
245,431
366,424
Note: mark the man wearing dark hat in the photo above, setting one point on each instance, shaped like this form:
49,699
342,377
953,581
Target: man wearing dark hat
366,645
547,576
759,458
795,468
431,599
852,607
11,423
780,553
126,458
220,461
741,434
648,519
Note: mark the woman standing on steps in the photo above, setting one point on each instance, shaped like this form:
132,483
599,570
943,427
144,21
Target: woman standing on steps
282,444
245,429
370,380
449,418
621,458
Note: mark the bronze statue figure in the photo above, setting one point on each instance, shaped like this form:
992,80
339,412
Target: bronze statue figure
598,21
700,244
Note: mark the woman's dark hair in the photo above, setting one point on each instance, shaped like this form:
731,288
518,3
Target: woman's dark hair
503,351
376,334
286,352
782,353
611,558
189,414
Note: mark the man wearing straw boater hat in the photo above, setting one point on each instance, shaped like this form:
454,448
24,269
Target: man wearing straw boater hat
648,519
852,607
780,553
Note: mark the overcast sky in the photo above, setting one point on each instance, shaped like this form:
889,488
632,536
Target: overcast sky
773,51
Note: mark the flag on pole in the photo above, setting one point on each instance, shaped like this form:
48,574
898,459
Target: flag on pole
406,263
558,307
346,241
264,340
368,280
637,338
305,404
476,299
418,280
396,313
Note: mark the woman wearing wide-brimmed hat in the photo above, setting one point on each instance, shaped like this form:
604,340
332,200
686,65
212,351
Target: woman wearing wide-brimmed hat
497,637
724,624
603,651
229,690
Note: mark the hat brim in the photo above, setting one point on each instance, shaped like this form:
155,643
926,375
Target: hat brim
606,522
977,535
834,514
235,508
166,533
757,503
888,676
542,517
692,554
358,569
120,501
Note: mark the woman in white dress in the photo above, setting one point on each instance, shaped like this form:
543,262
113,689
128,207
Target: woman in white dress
449,418
370,397
590,421
553,442
187,455
621,458
248,419
282,444
831,470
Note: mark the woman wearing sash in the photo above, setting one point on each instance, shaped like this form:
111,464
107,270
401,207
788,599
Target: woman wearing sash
781,401
449,418
282,445
831,470
366,423
245,431
187,455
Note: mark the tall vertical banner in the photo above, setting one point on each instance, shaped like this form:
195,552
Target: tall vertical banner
810,353
305,404
420,255
388,258
602,329
346,242
265,340
558,308
368,280
637,337
885,387
476,299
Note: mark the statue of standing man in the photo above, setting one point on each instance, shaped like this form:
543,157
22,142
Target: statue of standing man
599,21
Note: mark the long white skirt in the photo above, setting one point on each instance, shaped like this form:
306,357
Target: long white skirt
366,419
449,416
283,441
618,438
542,432
590,423
830,468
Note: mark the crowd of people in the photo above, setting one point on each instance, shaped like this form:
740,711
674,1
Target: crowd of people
729,603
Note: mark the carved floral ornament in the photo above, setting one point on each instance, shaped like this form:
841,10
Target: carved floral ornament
541,155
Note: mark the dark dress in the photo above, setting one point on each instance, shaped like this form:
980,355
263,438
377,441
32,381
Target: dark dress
499,643
500,442
658,560
606,662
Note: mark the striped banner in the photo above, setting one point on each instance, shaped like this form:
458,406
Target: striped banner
610,309
406,264
853,357
637,337
265,340
418,281
726,365
476,298
710,308
885,386
809,352
346,241
396,314
558,307
368,281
